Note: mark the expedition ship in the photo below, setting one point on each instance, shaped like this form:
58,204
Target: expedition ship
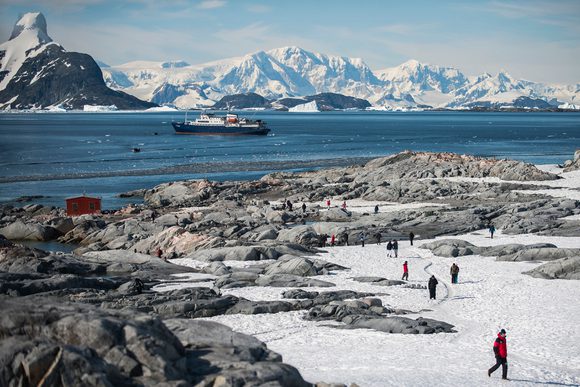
210,124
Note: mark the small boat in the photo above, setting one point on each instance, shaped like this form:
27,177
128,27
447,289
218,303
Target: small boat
136,150
211,124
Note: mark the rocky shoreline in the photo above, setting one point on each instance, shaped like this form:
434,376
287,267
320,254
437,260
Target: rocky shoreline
109,306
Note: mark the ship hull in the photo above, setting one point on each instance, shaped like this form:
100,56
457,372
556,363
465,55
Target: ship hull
217,130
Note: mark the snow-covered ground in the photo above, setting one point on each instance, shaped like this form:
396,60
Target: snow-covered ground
541,316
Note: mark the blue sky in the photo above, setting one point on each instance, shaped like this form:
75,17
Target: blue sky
536,40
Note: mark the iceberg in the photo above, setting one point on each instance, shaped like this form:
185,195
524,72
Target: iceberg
99,108
309,107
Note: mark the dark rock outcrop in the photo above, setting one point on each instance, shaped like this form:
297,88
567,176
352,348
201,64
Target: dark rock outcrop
75,344
242,101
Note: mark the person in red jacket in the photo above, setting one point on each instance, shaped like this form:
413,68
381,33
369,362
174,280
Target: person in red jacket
500,351
405,271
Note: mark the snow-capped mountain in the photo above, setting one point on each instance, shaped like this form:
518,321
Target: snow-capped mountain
295,72
282,72
36,72
426,84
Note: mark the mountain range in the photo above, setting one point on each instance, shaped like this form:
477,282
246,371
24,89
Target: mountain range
36,72
295,72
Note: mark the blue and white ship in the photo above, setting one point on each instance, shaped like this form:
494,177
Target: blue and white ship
211,124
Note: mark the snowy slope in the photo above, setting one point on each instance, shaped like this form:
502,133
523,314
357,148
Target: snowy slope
540,316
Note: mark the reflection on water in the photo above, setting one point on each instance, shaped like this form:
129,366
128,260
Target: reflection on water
53,246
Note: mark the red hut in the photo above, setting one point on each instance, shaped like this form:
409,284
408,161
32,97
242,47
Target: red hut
82,205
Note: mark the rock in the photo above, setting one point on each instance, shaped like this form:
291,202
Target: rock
122,261
238,279
216,268
292,265
29,231
271,233
540,254
201,334
276,216
564,268
379,281
303,235
62,225
166,220
237,253
398,324
373,301
574,164
450,248
180,193
88,346
335,215
259,307
290,281
494,251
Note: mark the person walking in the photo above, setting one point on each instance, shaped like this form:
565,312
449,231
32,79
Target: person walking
500,352
332,240
328,203
433,288
396,248
376,209
405,271
303,208
491,230
454,273
344,205
361,238
389,248
289,205
411,237
378,237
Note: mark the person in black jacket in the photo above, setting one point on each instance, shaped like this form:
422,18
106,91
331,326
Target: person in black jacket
433,288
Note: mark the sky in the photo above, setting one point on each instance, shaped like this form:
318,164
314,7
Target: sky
537,40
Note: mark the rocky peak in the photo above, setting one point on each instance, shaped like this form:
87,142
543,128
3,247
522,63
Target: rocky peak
35,24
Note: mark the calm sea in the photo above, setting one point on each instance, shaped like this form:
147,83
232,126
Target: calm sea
60,155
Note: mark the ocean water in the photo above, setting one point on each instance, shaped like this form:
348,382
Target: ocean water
57,155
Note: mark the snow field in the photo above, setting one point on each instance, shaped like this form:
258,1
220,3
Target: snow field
540,317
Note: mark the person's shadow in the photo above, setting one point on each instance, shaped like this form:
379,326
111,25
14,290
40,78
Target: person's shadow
546,383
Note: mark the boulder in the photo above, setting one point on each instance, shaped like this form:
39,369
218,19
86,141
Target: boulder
260,307
540,254
303,235
564,268
291,281
379,281
451,248
292,265
398,324
29,231
335,215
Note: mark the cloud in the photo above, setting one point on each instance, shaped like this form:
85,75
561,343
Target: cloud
211,4
533,60
564,14
259,8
